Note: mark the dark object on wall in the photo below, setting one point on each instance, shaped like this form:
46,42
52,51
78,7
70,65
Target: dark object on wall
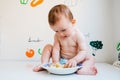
96,45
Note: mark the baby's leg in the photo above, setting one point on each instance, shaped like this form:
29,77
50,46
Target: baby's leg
88,67
45,58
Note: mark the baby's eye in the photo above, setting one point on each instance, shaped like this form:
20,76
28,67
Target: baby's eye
56,31
63,30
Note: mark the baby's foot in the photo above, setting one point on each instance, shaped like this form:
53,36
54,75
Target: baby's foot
87,71
38,68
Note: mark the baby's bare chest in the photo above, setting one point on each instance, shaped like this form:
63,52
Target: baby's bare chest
68,48
67,43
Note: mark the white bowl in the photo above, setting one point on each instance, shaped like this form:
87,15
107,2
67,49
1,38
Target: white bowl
60,70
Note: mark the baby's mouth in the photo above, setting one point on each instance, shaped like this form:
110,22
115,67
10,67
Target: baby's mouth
65,36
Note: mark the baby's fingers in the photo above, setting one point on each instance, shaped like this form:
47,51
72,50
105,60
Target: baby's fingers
73,64
69,65
66,66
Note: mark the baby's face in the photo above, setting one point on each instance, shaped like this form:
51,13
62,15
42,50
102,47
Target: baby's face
63,28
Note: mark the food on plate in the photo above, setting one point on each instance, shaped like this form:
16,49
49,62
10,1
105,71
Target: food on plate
57,65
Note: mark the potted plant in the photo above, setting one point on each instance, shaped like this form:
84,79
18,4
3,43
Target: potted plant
118,49
117,63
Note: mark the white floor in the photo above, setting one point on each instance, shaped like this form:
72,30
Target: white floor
22,70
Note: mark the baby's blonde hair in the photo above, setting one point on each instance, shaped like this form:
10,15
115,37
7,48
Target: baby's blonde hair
56,12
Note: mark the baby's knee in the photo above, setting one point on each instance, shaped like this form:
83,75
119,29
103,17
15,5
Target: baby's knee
48,47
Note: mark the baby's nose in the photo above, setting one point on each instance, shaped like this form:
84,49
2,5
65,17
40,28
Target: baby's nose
61,34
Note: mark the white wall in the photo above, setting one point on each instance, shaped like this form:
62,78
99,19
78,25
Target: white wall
0,34
96,18
19,22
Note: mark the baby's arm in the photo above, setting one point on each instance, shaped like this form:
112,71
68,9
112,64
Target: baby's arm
80,57
82,48
56,51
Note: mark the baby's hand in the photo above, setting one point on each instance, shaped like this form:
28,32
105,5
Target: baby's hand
70,63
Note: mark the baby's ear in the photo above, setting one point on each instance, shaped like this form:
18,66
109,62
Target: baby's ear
73,21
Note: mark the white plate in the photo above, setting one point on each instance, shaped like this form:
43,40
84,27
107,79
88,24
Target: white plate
60,70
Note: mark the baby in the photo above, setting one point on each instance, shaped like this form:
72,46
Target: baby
69,43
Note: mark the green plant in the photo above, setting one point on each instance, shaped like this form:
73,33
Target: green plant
118,49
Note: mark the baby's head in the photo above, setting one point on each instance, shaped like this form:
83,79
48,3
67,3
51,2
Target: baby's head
61,20
57,12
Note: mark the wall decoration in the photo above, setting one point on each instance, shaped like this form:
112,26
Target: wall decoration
24,2
71,2
118,49
30,53
39,51
87,35
35,3
34,40
95,46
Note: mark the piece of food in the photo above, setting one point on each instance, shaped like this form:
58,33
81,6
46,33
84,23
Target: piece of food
57,65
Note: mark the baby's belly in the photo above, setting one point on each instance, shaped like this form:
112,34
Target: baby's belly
67,55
